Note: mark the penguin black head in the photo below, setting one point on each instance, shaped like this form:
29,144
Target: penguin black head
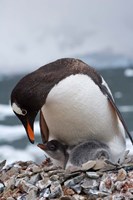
26,101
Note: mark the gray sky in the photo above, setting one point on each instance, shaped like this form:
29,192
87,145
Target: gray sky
34,32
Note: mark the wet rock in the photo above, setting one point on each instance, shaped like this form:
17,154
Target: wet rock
1,187
35,168
22,197
43,183
45,193
71,169
26,187
10,198
100,164
8,167
54,177
89,184
56,190
33,179
80,197
66,198
118,185
68,191
27,180
70,175
106,185
32,194
2,164
92,175
10,183
95,193
9,173
43,175
74,181
77,188
88,165
122,196
55,171
121,175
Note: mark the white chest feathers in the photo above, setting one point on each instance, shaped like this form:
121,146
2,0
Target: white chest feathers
76,110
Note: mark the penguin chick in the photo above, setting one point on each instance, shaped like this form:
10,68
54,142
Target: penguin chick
90,150
77,155
57,152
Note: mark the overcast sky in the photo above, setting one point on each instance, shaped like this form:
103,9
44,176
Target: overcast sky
34,32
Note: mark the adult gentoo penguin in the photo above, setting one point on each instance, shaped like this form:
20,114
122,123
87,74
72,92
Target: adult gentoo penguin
75,105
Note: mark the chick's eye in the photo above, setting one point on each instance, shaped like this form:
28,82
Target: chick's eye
52,147
24,112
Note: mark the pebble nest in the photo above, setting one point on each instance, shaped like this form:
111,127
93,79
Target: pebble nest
96,179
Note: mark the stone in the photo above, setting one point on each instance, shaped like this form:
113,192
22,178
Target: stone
55,171
92,175
9,173
35,168
77,188
100,164
45,193
19,181
68,191
44,175
106,185
2,164
74,181
1,187
71,169
88,165
118,185
121,175
54,177
70,175
80,197
89,184
10,183
33,179
56,190
95,193
66,198
26,187
22,197
32,194
43,183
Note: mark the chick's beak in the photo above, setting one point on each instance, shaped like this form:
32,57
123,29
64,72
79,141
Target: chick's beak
42,146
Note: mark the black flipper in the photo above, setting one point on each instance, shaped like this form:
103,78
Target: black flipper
108,95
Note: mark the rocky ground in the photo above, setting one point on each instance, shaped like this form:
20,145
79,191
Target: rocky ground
94,180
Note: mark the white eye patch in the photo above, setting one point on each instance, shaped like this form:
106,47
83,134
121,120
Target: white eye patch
18,110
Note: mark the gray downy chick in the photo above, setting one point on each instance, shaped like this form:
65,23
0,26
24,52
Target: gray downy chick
56,151
90,150
79,154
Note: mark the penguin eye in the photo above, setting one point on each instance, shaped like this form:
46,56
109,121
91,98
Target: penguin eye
18,110
24,112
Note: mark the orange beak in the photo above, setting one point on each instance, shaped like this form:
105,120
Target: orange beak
30,132
28,123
